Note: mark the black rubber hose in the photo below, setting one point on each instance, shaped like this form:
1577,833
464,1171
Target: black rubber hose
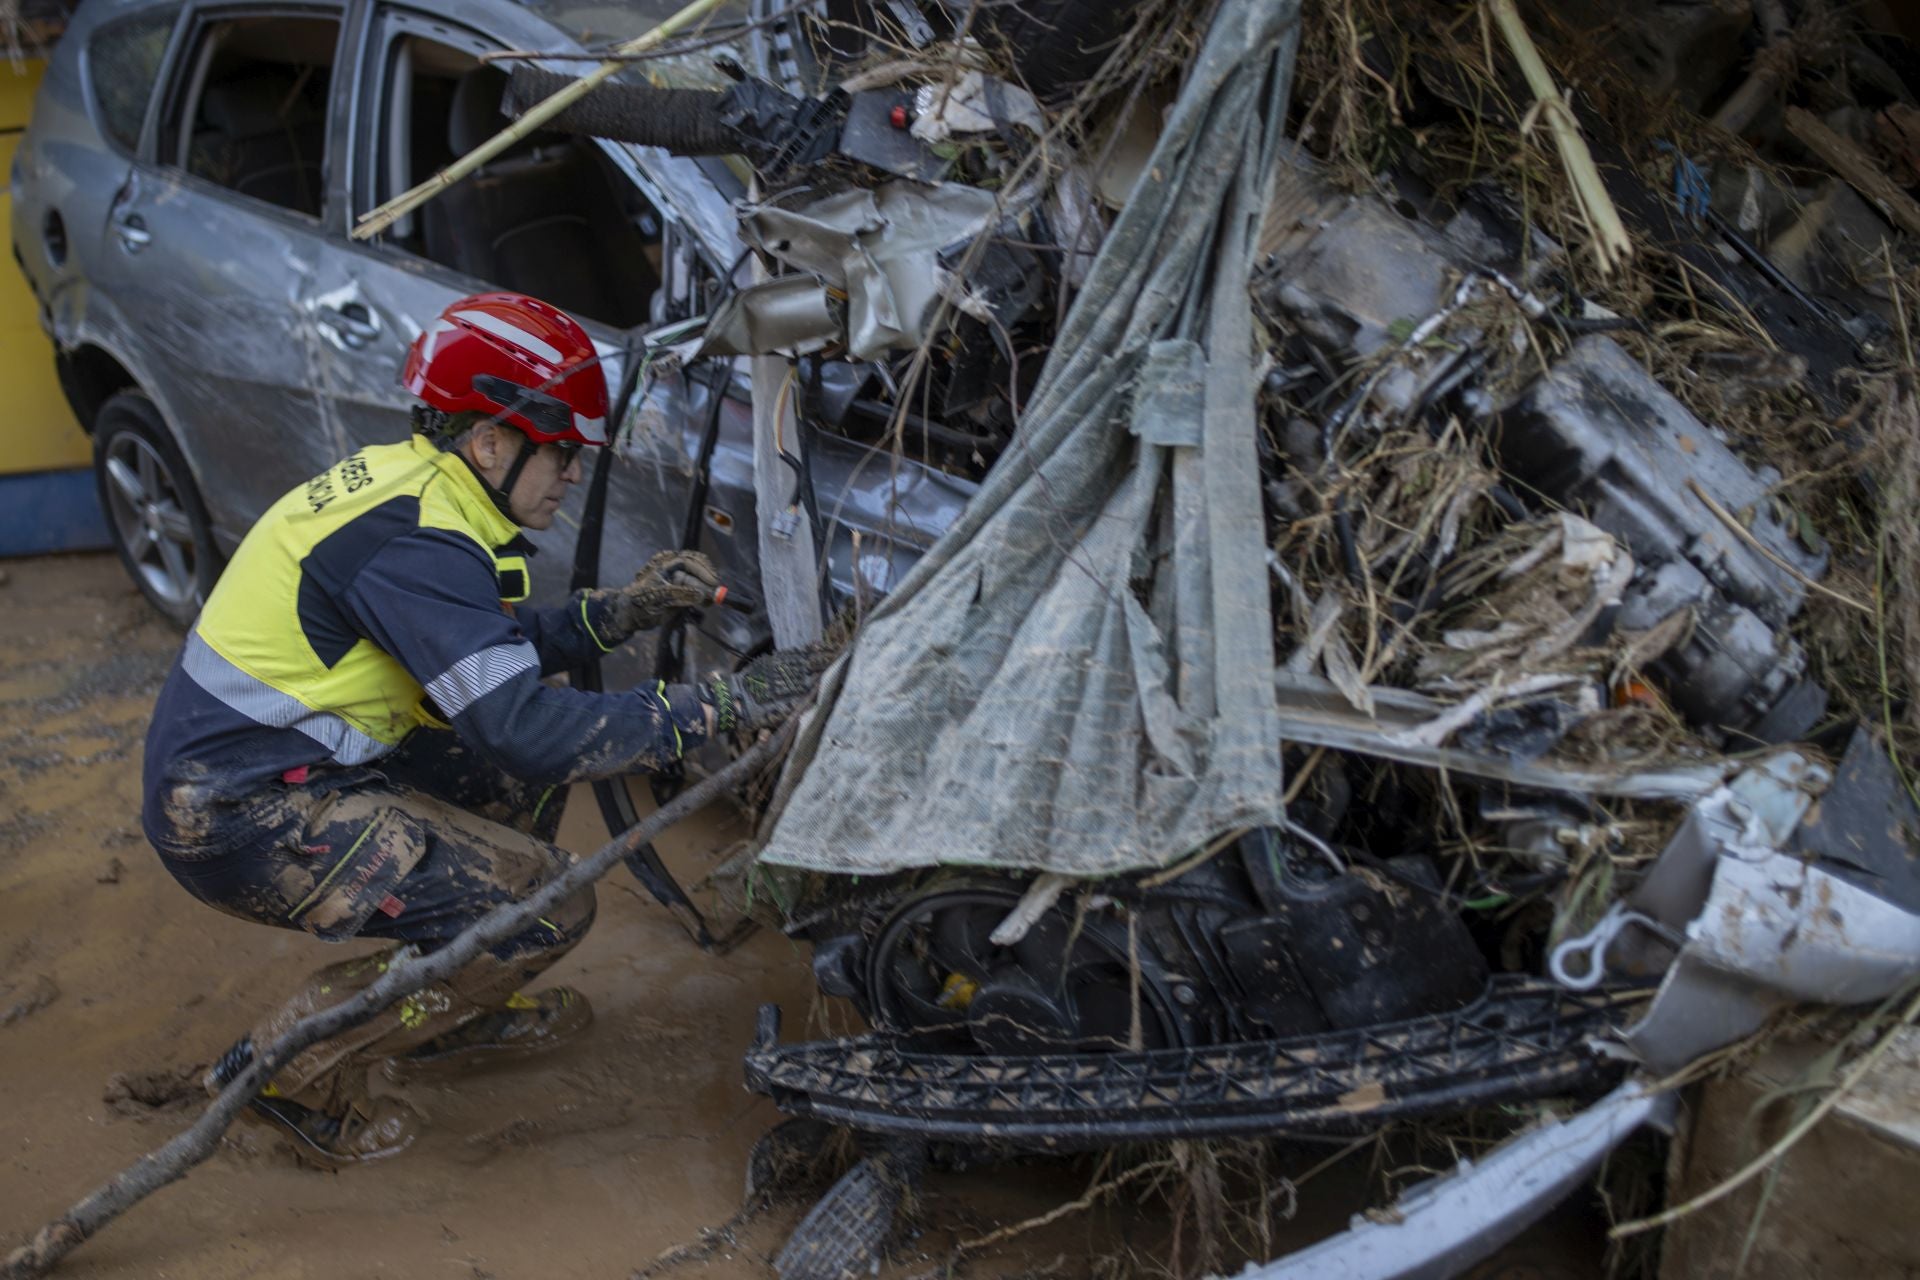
683,121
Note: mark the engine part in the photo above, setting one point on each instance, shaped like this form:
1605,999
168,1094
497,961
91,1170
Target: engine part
1523,1039
874,134
1599,434
1339,950
1596,434
934,976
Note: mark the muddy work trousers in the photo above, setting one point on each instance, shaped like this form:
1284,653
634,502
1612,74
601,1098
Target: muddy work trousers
414,850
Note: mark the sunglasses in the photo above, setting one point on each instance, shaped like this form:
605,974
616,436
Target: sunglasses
567,449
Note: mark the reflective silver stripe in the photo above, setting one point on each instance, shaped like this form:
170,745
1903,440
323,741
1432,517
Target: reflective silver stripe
263,704
478,674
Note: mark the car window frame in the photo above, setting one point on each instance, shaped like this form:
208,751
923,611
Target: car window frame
388,20
89,95
179,74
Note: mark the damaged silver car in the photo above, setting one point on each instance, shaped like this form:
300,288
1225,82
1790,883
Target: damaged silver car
183,201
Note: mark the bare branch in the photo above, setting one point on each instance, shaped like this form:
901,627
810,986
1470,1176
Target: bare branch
173,1160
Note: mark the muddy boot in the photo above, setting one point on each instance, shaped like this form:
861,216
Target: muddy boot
527,1025
351,1127
369,1130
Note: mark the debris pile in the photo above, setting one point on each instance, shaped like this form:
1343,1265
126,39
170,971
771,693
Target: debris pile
1565,353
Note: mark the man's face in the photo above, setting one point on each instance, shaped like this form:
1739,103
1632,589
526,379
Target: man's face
543,482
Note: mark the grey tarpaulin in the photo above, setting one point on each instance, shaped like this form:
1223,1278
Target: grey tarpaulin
1079,676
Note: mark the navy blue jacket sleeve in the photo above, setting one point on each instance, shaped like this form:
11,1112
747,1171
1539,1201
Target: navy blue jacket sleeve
570,634
430,600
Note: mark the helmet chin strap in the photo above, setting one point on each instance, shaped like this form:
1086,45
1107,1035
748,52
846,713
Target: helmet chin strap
501,494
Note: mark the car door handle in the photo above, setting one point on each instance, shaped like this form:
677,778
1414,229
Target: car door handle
352,321
133,233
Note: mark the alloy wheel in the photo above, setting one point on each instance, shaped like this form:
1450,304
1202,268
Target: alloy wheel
151,521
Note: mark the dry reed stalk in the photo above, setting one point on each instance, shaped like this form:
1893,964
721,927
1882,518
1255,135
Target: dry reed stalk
1611,244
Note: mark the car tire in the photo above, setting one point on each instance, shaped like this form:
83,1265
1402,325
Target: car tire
153,509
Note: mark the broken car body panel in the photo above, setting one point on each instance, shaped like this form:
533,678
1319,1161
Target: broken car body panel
1444,1225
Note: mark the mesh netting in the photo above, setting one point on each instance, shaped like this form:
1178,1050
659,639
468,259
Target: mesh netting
1078,676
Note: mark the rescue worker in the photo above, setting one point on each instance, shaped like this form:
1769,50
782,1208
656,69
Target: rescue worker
356,740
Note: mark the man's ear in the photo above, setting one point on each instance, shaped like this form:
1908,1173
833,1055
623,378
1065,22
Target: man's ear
483,446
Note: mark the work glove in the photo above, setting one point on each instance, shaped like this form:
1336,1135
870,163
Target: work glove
671,580
765,691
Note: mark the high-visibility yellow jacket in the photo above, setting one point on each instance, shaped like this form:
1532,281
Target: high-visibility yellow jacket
371,600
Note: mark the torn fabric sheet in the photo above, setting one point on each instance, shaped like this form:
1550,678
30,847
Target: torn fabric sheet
1079,676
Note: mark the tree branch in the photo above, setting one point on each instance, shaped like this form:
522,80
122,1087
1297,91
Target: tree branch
173,1160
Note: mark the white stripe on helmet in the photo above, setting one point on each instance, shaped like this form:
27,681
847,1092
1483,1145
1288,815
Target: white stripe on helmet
511,332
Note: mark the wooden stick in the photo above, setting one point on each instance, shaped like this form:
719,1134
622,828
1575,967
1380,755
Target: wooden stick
173,1160
378,220
1770,70
1611,245
1857,167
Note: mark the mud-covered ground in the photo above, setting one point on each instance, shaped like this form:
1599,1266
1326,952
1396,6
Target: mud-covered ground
115,987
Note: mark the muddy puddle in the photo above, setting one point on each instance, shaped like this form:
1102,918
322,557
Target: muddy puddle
115,988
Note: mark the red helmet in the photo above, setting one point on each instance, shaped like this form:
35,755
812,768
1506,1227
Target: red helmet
515,357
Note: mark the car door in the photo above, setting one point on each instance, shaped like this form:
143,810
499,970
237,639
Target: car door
214,239
563,219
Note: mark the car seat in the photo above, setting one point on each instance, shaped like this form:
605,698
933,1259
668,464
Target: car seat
538,218
263,136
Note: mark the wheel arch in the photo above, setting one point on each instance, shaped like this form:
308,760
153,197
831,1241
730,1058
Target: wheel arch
90,375
91,372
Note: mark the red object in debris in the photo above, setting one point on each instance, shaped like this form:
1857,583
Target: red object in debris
898,116
1631,692
392,906
719,595
295,776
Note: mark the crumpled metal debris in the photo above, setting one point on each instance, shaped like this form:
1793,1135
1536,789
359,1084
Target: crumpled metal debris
878,248
1446,1224
1314,712
1488,521
1755,928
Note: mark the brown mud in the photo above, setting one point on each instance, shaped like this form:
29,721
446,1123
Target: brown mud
116,988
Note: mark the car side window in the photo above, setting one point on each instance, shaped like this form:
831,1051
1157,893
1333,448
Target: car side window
249,112
123,60
551,216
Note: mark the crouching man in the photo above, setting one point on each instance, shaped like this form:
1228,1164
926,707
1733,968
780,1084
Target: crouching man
355,740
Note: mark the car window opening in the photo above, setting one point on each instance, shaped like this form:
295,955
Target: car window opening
549,217
257,110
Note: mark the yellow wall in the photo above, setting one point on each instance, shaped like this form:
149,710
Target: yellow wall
37,429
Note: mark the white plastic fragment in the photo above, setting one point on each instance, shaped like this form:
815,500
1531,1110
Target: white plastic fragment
1036,902
969,105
